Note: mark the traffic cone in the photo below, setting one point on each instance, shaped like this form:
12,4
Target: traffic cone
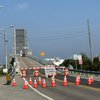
44,85
66,72
77,81
36,73
30,81
39,81
35,85
25,85
65,82
89,81
23,71
14,82
92,79
53,83
53,76
78,76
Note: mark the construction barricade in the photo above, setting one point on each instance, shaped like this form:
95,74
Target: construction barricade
23,71
66,73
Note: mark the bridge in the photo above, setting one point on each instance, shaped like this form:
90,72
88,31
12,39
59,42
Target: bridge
23,90
63,84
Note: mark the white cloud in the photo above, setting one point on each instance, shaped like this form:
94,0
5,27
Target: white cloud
22,7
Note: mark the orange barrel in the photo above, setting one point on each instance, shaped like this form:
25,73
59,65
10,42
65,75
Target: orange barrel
66,72
23,72
36,73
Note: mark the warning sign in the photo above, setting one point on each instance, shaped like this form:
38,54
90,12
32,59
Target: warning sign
50,71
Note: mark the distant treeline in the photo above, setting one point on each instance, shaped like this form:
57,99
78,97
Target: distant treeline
87,64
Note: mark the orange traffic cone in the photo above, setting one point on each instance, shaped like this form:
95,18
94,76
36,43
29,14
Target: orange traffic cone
65,82
30,81
77,81
44,85
35,85
25,85
23,72
14,82
89,81
36,73
39,81
66,72
78,76
92,79
53,83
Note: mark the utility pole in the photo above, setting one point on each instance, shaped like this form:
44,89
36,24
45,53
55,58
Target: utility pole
90,45
5,43
15,46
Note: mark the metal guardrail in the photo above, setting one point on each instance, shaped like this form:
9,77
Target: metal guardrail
84,73
72,72
41,61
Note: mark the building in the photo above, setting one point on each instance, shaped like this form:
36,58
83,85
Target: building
21,41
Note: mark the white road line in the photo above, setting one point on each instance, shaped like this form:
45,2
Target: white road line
45,96
18,67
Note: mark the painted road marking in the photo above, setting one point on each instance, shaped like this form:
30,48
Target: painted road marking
45,96
18,66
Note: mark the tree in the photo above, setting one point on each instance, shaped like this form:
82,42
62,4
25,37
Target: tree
87,65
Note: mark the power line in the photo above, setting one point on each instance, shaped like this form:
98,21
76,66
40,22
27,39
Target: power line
58,34
58,38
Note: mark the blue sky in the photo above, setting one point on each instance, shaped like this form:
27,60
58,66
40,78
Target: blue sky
57,27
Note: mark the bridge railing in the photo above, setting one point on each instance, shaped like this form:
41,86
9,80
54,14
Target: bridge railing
73,72
84,73
41,61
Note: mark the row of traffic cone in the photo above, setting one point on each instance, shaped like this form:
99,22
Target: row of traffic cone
43,83
24,87
39,81
35,84
53,83
89,81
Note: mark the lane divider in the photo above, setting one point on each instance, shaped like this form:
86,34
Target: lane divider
43,95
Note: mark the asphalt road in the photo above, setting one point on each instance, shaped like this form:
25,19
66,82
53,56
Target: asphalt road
7,92
96,84
71,92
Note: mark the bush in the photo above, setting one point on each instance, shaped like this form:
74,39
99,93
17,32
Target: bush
1,72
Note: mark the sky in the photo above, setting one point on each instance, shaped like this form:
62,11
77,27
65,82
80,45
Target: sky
57,27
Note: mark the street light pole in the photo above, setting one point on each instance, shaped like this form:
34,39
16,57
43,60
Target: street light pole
15,45
5,42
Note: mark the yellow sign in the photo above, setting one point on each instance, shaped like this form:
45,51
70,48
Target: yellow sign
42,54
8,77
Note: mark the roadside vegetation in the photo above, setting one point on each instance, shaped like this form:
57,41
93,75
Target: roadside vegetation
1,72
87,64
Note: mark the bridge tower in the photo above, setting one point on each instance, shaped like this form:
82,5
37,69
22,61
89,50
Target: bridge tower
20,41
